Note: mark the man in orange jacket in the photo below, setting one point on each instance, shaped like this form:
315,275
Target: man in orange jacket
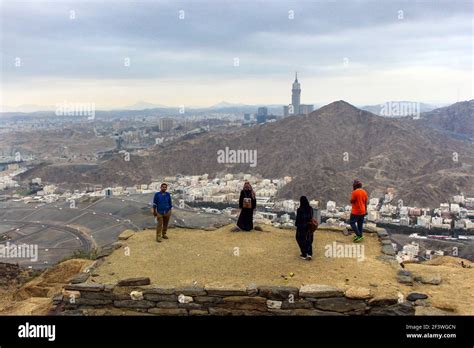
359,200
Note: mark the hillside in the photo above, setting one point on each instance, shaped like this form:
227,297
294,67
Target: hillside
456,119
382,152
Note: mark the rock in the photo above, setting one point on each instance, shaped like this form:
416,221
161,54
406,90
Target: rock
319,291
424,303
136,295
258,228
160,291
225,291
134,304
191,291
134,281
274,304
190,305
373,285
383,300
422,310
254,303
297,304
159,298
235,229
278,292
126,234
386,242
98,295
405,277
434,279
167,305
184,299
394,310
382,233
416,296
80,278
91,302
252,290
387,249
168,311
386,258
358,293
339,304
106,251
208,299
85,287
198,312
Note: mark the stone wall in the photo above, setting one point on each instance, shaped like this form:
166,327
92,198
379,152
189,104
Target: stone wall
309,300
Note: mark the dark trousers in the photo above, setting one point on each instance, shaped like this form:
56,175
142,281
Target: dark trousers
305,242
357,224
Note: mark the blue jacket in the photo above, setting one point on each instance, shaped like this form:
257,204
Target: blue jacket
162,202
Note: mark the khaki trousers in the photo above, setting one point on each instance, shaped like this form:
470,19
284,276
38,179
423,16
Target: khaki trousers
162,224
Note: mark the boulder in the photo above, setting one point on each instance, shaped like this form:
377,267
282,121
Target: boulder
405,277
258,228
387,249
134,281
382,233
319,291
340,304
433,279
225,290
126,234
358,293
274,304
278,292
416,296
384,300
85,287
80,278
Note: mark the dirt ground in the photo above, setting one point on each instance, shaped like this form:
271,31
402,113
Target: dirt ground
35,297
222,257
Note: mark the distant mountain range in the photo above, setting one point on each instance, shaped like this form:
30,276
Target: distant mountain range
323,152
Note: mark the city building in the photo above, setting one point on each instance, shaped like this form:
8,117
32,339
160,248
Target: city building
296,108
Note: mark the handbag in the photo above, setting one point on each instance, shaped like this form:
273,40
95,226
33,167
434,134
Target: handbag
312,224
247,203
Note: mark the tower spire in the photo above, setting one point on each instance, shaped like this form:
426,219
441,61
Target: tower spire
296,76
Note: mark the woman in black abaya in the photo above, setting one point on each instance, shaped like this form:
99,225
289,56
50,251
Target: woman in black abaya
247,204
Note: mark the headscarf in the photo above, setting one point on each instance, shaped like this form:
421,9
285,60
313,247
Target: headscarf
250,189
304,204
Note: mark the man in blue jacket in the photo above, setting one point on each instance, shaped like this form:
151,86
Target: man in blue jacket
162,211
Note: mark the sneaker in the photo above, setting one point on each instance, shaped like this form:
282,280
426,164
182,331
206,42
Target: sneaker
355,238
165,237
302,257
159,240
309,258
359,239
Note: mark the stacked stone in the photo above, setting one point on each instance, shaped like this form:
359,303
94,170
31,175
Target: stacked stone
313,300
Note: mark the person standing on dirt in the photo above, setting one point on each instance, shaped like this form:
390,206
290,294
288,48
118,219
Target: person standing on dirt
304,237
359,200
162,211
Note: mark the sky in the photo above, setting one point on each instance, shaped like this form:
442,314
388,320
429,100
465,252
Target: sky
199,53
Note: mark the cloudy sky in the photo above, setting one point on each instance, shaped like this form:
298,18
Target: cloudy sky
202,52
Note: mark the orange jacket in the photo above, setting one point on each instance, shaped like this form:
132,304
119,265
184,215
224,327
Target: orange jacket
359,200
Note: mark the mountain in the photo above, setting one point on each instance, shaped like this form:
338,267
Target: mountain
381,152
456,119
142,105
